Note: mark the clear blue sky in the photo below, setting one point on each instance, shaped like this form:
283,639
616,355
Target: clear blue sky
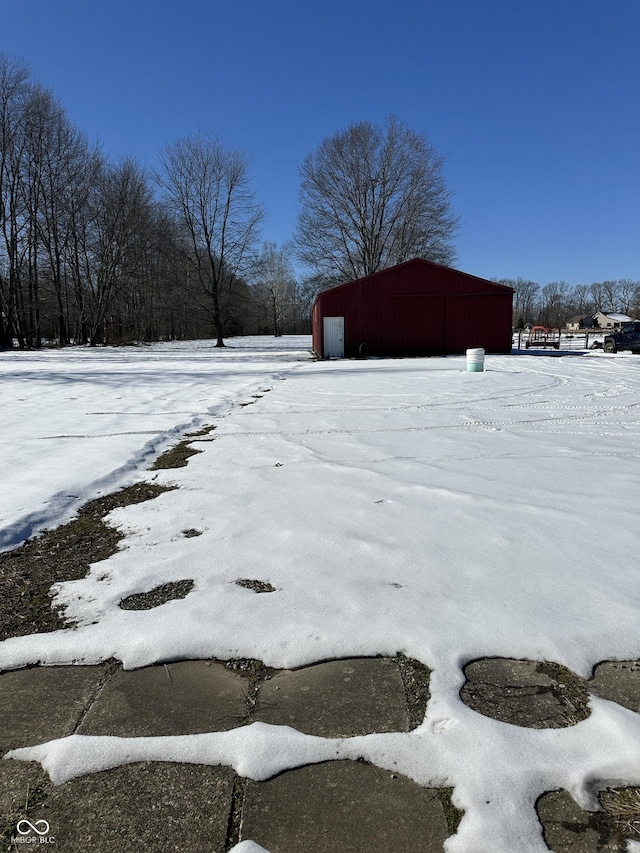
534,103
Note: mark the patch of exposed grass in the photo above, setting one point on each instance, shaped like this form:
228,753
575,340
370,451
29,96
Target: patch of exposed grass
255,585
255,672
623,807
254,399
175,457
415,677
200,432
27,573
452,814
157,596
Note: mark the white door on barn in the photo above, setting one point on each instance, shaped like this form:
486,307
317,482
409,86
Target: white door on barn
333,336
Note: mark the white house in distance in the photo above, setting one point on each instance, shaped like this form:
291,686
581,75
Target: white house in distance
611,321
597,321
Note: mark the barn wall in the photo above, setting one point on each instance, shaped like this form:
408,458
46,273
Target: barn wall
418,308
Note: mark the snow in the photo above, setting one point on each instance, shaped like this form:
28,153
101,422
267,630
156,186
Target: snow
620,318
395,505
252,847
88,419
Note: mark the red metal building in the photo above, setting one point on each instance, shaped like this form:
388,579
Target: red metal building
415,308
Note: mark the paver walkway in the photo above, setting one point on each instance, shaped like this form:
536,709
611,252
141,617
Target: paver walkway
336,807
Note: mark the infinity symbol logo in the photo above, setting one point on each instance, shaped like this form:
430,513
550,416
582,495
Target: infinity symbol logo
40,826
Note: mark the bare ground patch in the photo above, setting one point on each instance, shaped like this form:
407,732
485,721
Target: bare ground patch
157,596
175,457
27,573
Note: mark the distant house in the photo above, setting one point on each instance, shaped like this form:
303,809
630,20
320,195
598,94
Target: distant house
611,321
415,308
578,321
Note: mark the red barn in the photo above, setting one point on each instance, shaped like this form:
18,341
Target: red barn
415,308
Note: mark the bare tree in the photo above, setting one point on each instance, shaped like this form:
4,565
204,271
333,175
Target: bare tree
582,299
628,294
14,96
599,296
120,232
275,285
611,297
615,296
554,300
305,296
40,160
207,188
372,197
69,169
525,298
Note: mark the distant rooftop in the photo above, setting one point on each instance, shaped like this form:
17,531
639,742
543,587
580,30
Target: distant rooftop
620,318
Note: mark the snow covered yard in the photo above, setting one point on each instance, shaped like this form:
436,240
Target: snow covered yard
80,422
393,505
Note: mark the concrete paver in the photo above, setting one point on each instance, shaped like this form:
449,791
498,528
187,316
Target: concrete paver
23,787
343,806
515,691
173,699
618,681
43,703
570,829
340,698
143,806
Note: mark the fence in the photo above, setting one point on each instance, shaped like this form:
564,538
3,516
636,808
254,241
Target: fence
569,341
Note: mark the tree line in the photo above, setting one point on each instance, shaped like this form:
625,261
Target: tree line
96,252
557,303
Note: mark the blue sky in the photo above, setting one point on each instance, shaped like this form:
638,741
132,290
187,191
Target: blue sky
535,105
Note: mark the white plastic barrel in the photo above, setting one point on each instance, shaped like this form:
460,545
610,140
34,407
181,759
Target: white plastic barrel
475,360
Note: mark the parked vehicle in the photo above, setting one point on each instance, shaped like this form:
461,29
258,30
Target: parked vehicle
627,337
